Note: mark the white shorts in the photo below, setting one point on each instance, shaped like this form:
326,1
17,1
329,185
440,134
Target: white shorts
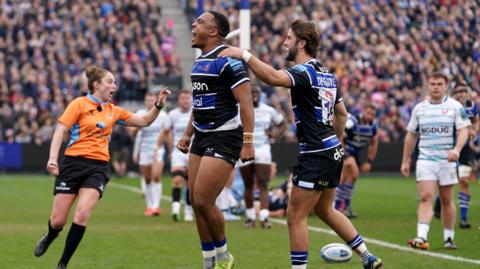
263,154
464,171
445,173
179,159
147,157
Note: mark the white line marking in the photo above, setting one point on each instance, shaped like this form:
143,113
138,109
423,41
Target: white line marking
330,232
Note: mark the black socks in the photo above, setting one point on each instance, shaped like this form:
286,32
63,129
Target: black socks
73,239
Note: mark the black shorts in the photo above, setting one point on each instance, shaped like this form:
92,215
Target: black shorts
78,172
225,145
320,170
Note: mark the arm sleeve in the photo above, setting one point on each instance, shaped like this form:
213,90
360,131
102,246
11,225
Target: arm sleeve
298,75
413,123
234,73
461,118
71,114
122,115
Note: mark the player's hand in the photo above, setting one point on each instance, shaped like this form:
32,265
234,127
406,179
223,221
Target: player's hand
405,169
52,167
183,144
247,153
162,96
453,155
232,52
366,167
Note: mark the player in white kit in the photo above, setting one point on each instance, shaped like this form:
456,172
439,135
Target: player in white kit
179,118
441,124
149,153
257,173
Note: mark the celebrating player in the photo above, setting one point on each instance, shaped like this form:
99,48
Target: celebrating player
179,118
260,168
149,155
435,122
219,85
359,131
320,116
84,172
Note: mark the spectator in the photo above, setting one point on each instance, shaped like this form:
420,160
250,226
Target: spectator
380,50
45,45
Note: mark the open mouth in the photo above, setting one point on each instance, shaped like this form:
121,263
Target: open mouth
194,34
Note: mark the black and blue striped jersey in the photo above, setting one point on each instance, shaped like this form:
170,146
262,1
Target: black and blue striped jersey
314,95
467,154
213,81
358,134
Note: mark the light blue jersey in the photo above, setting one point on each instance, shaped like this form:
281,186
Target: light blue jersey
436,125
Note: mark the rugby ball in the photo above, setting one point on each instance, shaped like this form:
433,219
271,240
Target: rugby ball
336,252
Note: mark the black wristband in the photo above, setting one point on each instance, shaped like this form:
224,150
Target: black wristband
157,106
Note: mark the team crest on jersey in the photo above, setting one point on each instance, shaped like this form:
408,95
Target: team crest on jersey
444,111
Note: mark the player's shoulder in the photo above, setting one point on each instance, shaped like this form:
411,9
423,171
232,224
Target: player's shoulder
454,103
268,108
173,112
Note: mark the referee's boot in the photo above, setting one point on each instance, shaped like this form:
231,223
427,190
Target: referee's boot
42,245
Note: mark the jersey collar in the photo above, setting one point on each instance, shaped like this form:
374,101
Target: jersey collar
443,101
213,50
95,100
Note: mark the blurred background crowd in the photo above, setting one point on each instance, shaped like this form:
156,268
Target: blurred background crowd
45,48
380,50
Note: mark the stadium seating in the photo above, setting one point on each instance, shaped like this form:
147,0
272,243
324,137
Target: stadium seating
44,49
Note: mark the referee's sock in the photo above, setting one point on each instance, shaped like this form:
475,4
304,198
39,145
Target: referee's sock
73,239
52,232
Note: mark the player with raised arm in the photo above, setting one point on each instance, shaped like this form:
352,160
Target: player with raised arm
258,172
179,118
222,136
149,155
360,131
440,124
320,117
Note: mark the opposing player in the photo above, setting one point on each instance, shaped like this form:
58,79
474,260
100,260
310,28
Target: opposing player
179,118
440,123
461,93
320,117
84,171
219,85
258,172
150,155
360,130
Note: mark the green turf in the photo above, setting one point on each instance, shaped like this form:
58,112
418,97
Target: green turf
118,236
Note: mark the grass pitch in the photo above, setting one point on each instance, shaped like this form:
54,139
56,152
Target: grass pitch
119,236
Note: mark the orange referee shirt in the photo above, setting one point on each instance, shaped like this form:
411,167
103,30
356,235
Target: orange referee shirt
90,129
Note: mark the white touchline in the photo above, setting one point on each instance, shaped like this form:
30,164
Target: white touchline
330,232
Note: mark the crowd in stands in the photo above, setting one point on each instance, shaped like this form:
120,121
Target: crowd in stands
45,47
380,50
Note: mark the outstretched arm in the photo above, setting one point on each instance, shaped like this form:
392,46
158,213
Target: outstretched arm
147,118
263,71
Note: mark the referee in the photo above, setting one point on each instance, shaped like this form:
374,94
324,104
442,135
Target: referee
84,171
